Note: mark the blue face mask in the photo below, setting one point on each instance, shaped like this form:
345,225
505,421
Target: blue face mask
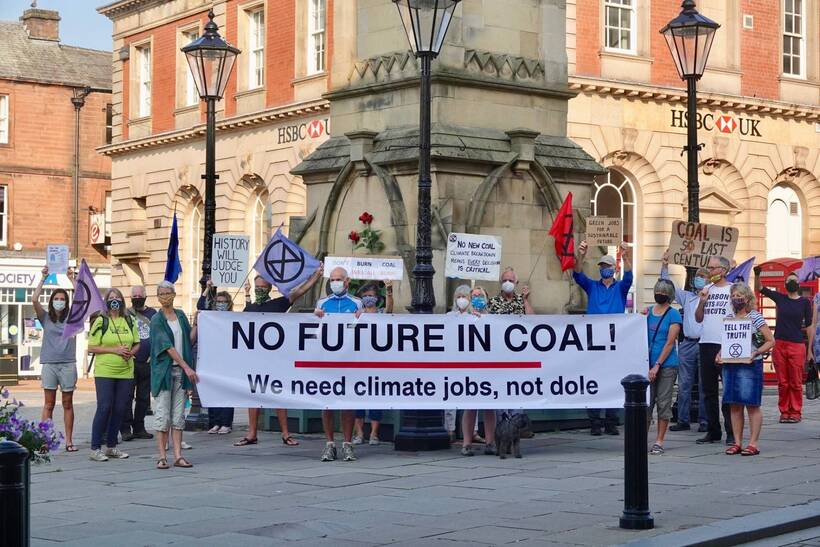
607,273
699,283
478,302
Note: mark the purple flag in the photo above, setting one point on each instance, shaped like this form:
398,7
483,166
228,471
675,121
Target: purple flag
87,300
810,270
284,264
741,272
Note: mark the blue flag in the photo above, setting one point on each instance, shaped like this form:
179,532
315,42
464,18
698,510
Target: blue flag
172,265
741,272
284,264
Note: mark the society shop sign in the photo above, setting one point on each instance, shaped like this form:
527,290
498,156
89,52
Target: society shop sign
722,122
471,256
385,361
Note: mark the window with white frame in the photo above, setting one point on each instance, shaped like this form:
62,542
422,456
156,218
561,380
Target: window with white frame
619,25
316,36
4,214
4,119
794,33
143,80
256,48
191,95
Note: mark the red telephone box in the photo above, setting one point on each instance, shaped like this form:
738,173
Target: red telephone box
773,275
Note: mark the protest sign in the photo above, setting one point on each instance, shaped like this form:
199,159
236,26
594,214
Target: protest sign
367,267
385,361
229,262
57,259
693,243
604,231
472,256
736,341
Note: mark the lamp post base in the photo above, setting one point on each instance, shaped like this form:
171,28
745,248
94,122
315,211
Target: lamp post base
422,430
196,420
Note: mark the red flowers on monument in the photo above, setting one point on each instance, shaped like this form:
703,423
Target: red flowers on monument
353,236
368,238
366,218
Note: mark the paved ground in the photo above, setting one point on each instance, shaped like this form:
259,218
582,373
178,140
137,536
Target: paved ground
567,490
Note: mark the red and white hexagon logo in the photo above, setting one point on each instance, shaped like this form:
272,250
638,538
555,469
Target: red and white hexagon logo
316,128
726,124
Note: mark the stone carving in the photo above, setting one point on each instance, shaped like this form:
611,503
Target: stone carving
801,153
502,66
385,67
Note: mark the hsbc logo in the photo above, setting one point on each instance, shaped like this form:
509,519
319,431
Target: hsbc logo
308,130
723,123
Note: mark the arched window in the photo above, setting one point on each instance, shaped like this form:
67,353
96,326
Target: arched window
192,263
613,196
258,224
784,224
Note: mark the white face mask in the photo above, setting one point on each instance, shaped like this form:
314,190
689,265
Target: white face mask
338,287
462,303
59,305
508,287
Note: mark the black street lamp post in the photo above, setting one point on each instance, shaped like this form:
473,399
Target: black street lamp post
426,23
211,60
689,37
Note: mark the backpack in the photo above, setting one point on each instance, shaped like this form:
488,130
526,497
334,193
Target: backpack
105,322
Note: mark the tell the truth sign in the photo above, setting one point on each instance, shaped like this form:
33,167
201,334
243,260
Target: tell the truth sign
693,243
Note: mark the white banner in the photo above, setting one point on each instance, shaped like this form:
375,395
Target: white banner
385,361
472,256
229,267
367,267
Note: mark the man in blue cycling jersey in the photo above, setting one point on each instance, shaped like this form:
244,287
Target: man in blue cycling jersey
339,301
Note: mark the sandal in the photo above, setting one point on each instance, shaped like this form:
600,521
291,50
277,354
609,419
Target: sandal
750,451
182,462
71,448
162,463
733,450
290,441
244,441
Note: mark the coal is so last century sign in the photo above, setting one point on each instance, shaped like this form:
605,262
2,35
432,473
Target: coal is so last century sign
694,243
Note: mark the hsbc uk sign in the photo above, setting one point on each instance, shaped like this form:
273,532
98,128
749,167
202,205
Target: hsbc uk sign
307,130
720,122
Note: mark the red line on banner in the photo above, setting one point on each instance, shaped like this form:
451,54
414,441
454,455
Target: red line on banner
416,364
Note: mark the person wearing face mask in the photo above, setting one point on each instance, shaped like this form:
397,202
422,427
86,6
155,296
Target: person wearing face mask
133,425
339,301
114,340
220,419
713,305
793,326
369,294
262,302
58,357
507,302
663,324
478,302
607,295
461,308
172,375
743,382
688,349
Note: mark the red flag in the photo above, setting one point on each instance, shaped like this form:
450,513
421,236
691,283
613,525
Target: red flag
562,232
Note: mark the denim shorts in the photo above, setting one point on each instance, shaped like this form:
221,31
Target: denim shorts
743,384
63,375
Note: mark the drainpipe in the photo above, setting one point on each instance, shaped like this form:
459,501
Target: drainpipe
78,100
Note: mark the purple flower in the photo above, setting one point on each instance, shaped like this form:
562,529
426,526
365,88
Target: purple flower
5,393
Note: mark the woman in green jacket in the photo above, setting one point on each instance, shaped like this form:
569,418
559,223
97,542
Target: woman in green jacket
171,374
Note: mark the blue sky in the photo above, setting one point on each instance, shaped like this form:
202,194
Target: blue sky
80,23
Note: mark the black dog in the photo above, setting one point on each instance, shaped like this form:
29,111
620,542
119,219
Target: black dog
508,434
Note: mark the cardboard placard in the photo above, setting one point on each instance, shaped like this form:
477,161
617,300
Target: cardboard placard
473,256
367,267
229,266
736,340
57,259
604,231
693,243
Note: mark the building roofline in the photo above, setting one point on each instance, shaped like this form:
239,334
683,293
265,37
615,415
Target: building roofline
58,83
122,6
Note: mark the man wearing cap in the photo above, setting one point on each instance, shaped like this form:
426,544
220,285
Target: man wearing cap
606,295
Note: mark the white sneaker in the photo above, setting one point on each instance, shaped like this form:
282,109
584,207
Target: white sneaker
214,430
373,441
357,439
98,456
224,430
185,446
116,453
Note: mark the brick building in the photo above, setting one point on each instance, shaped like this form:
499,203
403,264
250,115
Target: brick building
39,77
758,113
271,117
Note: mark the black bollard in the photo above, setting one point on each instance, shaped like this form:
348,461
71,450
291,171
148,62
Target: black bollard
636,514
14,510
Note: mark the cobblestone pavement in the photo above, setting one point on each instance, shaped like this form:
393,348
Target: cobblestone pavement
567,490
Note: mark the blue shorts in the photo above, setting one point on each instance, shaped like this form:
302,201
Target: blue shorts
743,384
